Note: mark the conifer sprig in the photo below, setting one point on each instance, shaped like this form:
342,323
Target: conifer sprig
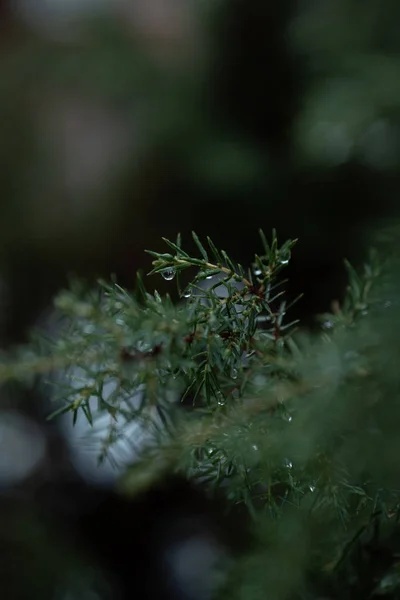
227,350
285,423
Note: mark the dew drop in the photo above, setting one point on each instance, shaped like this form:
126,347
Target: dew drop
327,325
209,277
256,270
234,373
288,463
255,447
168,274
187,294
220,399
311,488
288,418
284,257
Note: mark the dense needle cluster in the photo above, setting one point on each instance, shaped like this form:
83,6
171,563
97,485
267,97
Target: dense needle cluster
284,423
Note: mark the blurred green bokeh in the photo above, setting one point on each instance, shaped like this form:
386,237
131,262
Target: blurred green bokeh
220,116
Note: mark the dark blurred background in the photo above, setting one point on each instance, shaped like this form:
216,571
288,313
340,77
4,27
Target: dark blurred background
125,121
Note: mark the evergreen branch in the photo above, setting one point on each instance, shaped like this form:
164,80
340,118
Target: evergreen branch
268,265
232,353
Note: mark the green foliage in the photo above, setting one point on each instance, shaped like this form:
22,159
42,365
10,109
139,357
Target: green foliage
301,430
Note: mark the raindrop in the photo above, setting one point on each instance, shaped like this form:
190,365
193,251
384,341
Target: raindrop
209,277
311,488
327,325
255,447
168,274
187,294
220,399
234,373
284,257
288,463
288,418
257,271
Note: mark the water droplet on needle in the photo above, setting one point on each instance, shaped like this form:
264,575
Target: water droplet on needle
168,274
285,257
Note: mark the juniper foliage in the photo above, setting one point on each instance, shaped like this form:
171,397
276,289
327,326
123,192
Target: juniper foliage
301,430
